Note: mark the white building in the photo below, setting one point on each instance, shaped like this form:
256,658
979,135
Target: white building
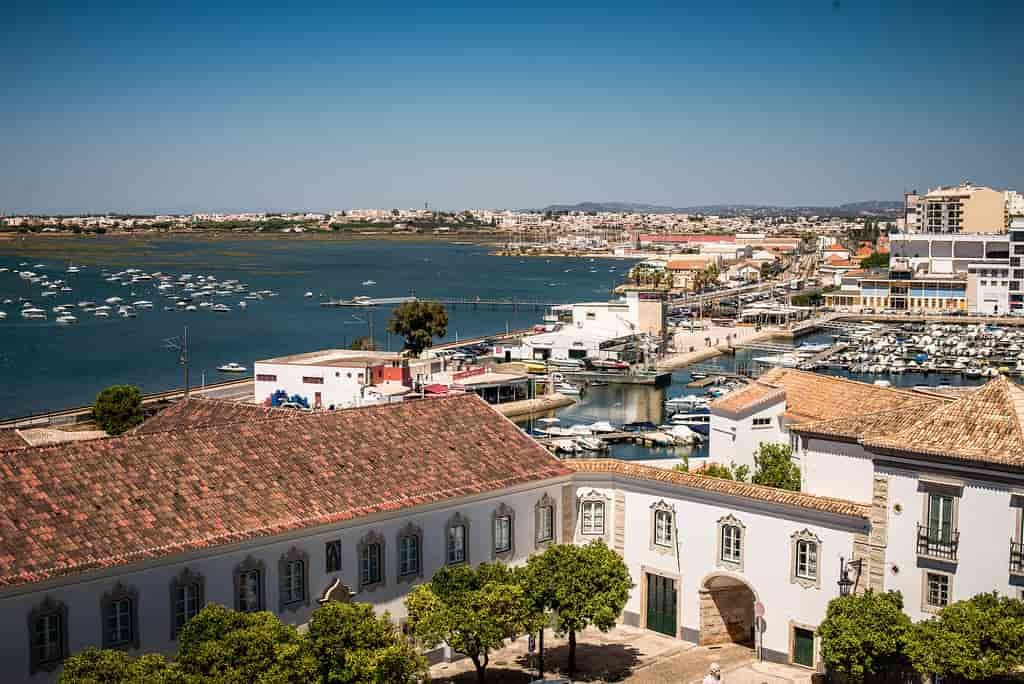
338,378
258,508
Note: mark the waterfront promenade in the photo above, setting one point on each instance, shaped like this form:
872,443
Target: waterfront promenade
701,343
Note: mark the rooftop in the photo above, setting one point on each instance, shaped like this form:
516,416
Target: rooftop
335,357
718,485
196,412
11,439
73,507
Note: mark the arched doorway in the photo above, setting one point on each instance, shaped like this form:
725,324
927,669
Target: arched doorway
726,610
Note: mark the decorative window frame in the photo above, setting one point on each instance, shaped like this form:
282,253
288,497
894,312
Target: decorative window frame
662,507
333,543
372,537
119,593
720,562
454,521
594,496
538,508
48,607
294,554
807,536
925,606
249,564
409,530
503,511
184,578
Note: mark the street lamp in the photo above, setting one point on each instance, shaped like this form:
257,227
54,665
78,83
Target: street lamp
845,583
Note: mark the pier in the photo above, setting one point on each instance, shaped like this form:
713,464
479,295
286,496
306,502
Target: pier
637,378
449,302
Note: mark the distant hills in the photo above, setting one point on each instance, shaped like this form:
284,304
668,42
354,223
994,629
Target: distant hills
867,208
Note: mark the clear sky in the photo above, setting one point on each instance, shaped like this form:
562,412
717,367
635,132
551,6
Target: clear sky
205,106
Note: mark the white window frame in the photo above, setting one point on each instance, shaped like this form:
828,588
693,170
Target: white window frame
408,555
502,533
546,523
249,590
370,557
732,543
806,559
926,594
294,581
590,512
118,623
456,547
663,532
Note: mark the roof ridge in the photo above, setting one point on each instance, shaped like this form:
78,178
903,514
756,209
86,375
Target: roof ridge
851,381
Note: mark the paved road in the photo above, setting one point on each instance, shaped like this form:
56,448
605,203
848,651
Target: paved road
238,392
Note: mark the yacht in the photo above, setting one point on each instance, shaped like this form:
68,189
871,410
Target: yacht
686,402
567,388
232,368
368,283
143,304
113,300
66,319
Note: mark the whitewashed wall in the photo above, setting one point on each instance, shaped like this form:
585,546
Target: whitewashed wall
839,469
986,521
736,440
341,387
152,579
767,556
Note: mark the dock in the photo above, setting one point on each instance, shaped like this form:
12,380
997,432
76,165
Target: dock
639,378
647,439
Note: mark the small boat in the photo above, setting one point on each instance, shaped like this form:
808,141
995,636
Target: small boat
609,364
567,388
221,308
3,315
99,313
232,368
143,304
367,283
308,294
191,307
49,293
242,304
113,300
590,443
66,320
601,426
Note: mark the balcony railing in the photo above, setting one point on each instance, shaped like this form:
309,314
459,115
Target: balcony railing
937,544
1017,558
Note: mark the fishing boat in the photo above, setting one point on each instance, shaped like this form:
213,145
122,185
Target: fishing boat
232,368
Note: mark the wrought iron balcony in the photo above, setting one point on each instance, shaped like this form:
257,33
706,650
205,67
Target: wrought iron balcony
937,544
1017,558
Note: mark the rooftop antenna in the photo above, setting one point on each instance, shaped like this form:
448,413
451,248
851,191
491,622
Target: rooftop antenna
180,345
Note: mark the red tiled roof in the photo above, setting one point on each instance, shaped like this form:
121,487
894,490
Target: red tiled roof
72,507
202,412
634,471
10,439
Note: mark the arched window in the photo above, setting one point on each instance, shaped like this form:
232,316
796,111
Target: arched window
730,543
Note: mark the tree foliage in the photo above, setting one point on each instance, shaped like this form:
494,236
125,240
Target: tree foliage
354,646
363,343
864,635
118,409
580,585
876,260
345,644
419,323
774,467
473,610
975,639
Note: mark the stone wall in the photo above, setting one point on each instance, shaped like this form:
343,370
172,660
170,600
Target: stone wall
870,548
726,615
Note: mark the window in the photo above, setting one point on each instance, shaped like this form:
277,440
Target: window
762,422
732,540
591,316
408,555
47,636
593,517
806,559
806,550
545,523
940,518
293,581
186,599
265,377
503,533
249,599
936,590
370,564
118,627
456,544
309,380
249,585
663,528
333,553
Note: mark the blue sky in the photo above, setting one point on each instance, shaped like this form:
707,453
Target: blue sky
201,106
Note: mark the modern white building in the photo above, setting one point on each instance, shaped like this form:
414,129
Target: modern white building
332,378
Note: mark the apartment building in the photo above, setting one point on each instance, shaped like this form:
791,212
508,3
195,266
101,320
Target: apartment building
964,208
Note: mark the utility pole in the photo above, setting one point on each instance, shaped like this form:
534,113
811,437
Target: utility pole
180,345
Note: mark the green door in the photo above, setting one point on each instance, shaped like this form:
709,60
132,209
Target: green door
803,647
661,604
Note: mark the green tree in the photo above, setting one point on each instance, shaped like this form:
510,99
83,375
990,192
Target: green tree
876,260
118,409
863,635
363,343
419,323
975,639
580,586
354,646
109,666
774,467
717,470
253,648
473,610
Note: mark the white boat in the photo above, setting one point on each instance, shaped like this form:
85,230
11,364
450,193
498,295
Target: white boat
143,304
686,402
113,300
549,420
590,443
191,307
3,315
65,289
566,388
682,434
308,294
84,303
601,426
221,308
242,304
66,320
49,293
565,445
232,368
367,283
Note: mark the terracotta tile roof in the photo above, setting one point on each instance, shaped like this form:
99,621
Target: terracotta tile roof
71,507
857,427
634,471
813,396
202,412
986,426
10,439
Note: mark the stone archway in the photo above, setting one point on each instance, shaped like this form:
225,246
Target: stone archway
726,610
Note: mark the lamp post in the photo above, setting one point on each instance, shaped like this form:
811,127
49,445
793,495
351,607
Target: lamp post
845,583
